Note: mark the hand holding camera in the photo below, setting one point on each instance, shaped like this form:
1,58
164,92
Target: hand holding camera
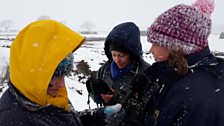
99,91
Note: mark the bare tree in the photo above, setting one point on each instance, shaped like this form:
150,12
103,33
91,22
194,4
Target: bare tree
7,24
221,35
43,17
88,25
4,75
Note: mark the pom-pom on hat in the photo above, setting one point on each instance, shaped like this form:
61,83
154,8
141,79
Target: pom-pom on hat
183,27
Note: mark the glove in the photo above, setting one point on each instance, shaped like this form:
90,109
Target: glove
115,119
139,84
110,110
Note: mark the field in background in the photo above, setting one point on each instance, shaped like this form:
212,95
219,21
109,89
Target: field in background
88,59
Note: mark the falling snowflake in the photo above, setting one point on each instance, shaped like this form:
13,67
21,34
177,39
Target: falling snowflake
35,44
32,70
55,37
217,90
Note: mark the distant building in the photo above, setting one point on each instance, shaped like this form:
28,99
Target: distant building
221,35
88,32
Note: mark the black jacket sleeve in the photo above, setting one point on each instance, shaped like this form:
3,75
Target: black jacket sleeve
92,117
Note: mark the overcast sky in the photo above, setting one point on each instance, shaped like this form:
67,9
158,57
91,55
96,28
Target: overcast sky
104,14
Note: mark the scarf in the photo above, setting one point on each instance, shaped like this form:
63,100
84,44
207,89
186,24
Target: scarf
117,72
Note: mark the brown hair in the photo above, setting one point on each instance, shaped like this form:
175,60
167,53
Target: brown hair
177,60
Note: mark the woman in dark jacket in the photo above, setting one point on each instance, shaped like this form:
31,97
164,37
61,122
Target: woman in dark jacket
40,58
190,99
188,77
124,52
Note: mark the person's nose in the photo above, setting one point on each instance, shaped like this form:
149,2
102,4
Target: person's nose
61,82
151,50
117,59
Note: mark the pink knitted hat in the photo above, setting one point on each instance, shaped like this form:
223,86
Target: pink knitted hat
183,27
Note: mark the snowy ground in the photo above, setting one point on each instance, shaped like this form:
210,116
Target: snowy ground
93,54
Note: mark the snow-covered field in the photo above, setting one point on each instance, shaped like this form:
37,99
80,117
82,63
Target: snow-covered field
93,54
